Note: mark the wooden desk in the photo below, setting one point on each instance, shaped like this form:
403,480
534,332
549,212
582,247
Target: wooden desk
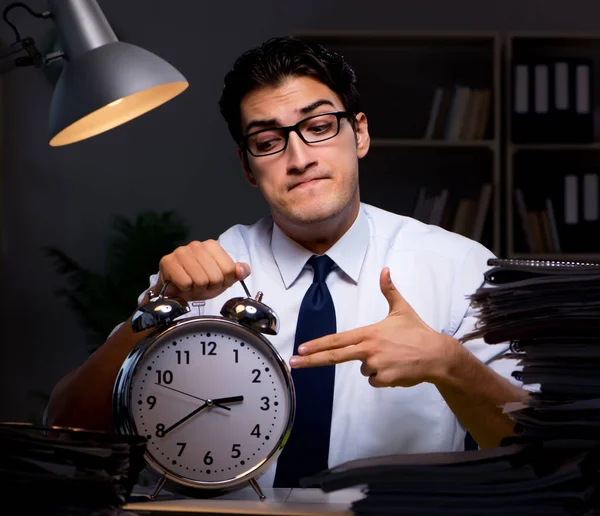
279,501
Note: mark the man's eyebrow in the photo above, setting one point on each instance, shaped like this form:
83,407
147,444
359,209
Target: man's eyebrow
315,105
273,122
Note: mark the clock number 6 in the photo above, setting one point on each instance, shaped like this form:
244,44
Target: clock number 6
208,460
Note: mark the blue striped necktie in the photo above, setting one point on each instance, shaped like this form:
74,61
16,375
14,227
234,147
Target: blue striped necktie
307,450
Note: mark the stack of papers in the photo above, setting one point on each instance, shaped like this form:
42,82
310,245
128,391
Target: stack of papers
550,312
523,300
515,479
67,472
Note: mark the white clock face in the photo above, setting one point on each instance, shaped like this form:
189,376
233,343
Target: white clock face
212,400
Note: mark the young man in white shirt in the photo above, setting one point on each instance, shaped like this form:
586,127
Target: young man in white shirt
399,287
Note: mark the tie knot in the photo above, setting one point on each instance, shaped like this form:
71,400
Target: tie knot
322,266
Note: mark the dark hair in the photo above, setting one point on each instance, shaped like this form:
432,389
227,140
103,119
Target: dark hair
277,59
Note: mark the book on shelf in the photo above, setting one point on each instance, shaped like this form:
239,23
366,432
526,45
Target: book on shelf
542,233
539,225
465,216
459,113
438,207
590,197
525,223
485,197
553,228
552,100
440,115
430,208
571,199
434,112
470,117
419,209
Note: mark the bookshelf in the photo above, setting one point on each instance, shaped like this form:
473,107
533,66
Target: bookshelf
552,162
426,160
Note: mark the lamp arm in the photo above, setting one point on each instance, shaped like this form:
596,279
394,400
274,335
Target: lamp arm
14,5
23,51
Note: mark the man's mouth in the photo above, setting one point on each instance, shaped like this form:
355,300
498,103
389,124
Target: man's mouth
308,182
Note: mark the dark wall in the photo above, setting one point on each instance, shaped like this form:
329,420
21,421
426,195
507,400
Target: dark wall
177,157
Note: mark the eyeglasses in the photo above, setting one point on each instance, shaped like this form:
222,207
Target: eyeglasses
313,129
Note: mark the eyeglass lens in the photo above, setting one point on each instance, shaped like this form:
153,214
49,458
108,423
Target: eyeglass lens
313,130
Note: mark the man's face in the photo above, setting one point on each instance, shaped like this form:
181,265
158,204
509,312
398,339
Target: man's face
304,184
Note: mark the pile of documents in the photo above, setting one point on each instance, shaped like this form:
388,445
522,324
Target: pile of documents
67,472
511,480
550,313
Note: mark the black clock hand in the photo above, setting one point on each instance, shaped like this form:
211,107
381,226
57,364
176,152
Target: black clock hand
215,402
184,419
231,399
207,403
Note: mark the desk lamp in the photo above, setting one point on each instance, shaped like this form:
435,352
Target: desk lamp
104,83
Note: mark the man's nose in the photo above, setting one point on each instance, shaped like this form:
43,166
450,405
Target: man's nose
299,154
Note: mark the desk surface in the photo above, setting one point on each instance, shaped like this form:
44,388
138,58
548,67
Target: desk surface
279,501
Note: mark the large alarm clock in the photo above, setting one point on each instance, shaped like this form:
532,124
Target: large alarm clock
212,396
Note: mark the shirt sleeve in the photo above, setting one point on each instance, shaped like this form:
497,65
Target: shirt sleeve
465,316
152,281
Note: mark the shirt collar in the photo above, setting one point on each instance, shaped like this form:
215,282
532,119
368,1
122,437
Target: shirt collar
348,252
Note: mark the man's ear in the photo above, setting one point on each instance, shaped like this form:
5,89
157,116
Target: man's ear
363,139
246,166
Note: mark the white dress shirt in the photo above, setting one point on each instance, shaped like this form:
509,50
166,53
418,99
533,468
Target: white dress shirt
434,270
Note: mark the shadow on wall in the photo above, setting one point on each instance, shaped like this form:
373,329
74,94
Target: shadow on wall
102,301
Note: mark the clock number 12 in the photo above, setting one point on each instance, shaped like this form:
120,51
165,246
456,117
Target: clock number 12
212,345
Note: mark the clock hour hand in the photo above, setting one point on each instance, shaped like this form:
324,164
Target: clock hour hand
215,402
184,419
231,399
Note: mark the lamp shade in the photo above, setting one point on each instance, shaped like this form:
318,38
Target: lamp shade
107,87
106,82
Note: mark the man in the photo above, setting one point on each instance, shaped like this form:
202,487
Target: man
399,287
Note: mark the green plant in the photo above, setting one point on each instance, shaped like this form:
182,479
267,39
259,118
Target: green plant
102,301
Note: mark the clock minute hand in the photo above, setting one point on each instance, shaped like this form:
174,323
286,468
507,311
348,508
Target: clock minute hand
181,392
184,419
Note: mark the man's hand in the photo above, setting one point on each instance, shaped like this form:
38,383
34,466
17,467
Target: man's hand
400,350
199,270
